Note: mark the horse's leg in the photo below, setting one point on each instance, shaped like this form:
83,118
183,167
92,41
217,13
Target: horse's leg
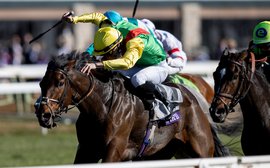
167,152
84,155
90,148
197,127
115,149
201,135
191,146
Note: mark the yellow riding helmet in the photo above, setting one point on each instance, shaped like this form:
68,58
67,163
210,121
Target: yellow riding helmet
261,33
105,40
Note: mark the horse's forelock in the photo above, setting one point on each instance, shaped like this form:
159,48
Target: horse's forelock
82,59
61,61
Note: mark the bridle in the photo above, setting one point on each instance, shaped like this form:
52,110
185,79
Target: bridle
62,108
242,87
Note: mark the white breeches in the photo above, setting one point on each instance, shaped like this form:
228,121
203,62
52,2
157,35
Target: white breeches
155,74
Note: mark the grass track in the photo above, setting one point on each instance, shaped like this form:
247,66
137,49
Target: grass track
22,144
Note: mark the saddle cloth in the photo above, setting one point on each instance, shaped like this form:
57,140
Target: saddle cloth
173,96
177,79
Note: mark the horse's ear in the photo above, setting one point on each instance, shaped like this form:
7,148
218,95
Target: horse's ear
225,55
225,52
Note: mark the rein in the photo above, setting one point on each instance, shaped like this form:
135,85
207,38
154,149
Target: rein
62,108
241,92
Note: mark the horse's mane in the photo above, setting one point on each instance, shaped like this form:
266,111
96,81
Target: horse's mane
80,59
61,61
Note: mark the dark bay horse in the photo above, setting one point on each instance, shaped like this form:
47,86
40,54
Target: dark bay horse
112,122
240,78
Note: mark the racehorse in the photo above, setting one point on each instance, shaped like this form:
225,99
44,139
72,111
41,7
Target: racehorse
112,122
241,78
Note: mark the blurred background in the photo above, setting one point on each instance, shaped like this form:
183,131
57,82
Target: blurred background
204,27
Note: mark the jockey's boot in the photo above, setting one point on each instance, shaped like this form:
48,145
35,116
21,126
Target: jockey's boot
148,93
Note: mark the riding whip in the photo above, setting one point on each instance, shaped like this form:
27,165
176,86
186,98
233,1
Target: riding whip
135,8
56,24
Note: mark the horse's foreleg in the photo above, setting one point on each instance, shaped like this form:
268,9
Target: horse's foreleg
115,150
196,141
86,154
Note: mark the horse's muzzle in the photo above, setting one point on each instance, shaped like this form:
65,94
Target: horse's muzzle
46,120
218,114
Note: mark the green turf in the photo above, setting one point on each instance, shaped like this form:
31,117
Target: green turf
233,143
24,145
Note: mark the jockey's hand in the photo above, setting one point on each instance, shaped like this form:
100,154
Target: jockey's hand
169,60
67,17
88,67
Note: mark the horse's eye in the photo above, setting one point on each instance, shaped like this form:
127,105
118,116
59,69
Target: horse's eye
60,84
229,75
235,77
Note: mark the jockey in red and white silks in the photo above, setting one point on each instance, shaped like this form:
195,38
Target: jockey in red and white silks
176,57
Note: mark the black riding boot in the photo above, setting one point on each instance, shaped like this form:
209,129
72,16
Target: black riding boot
147,93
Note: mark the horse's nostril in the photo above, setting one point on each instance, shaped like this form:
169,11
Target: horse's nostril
219,112
47,115
212,108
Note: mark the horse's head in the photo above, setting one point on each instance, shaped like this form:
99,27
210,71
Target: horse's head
231,83
59,89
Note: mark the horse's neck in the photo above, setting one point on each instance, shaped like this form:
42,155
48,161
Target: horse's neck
256,104
103,91
104,94
92,92
260,87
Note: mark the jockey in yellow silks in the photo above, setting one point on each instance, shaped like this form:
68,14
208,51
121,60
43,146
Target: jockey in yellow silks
130,50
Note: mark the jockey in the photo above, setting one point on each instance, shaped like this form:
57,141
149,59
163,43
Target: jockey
130,50
176,57
260,43
115,17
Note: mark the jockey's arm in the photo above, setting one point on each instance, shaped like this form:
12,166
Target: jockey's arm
177,59
134,50
95,18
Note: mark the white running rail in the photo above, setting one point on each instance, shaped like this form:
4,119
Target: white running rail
223,162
